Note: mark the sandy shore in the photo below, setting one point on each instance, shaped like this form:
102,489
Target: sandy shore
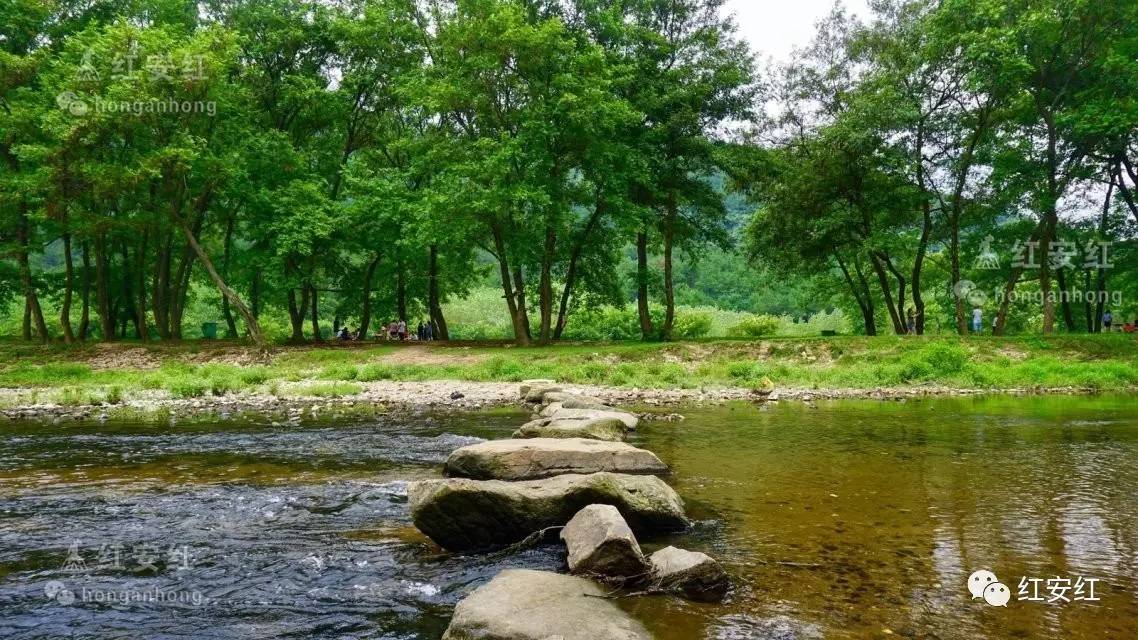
386,396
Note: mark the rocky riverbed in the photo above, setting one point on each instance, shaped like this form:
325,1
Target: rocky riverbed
290,404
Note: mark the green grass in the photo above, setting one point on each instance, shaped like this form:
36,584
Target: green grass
73,375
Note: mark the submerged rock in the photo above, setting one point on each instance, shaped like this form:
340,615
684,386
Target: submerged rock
522,604
695,575
545,457
609,429
600,543
468,515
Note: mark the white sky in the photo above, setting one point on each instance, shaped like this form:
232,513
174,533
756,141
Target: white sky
775,27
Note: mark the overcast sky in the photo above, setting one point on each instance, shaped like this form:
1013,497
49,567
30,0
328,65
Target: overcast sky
775,27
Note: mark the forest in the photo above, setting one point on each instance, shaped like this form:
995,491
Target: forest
311,165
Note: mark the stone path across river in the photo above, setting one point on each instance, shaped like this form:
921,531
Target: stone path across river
566,467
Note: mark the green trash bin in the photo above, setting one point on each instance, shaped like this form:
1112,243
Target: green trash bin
209,330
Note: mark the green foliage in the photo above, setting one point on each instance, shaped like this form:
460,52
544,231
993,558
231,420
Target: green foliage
755,327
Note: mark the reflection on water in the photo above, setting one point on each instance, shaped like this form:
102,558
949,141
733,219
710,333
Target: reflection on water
849,520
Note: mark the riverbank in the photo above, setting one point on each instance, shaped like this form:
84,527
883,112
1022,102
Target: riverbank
210,379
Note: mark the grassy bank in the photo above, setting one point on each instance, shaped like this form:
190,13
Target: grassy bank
110,374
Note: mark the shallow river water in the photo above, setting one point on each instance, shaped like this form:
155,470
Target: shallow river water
843,520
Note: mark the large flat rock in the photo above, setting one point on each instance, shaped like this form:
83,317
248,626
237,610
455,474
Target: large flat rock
471,515
546,457
609,429
522,604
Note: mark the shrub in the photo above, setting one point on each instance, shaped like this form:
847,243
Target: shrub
945,358
331,389
187,386
375,371
339,372
254,375
114,395
755,327
740,370
692,324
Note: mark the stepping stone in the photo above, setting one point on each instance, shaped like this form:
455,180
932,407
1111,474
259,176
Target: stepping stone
601,544
522,604
534,390
609,429
564,413
460,514
546,457
695,575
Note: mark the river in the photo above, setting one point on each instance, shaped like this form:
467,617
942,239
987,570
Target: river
851,519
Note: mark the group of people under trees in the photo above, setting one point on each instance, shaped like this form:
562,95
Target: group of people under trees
395,330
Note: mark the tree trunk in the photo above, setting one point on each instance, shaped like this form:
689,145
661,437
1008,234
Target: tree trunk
140,282
160,298
102,288
575,257
400,289
887,293
861,294
1009,290
523,311
365,313
31,300
923,242
434,304
646,330
314,299
545,287
85,314
669,286
1088,308
250,322
26,327
1100,281
957,211
128,292
1127,194
1050,224
296,313
181,284
954,250
226,312
901,287
68,285
255,303
1068,315
521,332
